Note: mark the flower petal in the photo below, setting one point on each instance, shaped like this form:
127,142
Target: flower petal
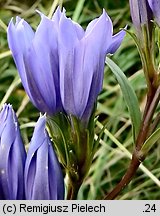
67,32
89,63
12,154
67,40
116,41
37,62
42,62
20,37
57,15
41,174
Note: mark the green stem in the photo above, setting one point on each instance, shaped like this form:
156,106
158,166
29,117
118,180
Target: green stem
125,180
75,192
137,158
73,188
69,191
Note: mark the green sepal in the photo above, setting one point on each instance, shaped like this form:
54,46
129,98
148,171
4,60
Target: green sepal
74,142
58,135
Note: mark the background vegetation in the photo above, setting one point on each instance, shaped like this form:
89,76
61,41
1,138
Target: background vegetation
113,156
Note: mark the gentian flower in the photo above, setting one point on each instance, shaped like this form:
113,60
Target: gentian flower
141,14
142,17
155,6
60,64
82,57
36,58
43,175
12,156
61,67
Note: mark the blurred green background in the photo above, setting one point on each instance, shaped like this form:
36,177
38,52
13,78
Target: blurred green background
113,155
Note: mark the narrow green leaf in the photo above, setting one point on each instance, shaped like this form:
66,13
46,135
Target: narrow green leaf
150,142
129,96
78,10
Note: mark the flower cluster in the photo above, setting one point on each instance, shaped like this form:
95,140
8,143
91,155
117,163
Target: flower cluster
61,65
35,175
61,68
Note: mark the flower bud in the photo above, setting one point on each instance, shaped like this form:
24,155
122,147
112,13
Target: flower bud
12,156
141,14
36,57
43,175
155,6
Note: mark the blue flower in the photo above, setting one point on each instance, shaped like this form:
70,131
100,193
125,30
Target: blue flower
12,156
81,59
36,58
43,175
141,13
61,65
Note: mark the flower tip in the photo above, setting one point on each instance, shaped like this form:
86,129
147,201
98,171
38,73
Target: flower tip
58,9
63,10
125,28
11,21
42,116
10,25
18,19
5,106
116,41
41,121
43,18
104,16
19,22
40,13
63,15
57,14
103,11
